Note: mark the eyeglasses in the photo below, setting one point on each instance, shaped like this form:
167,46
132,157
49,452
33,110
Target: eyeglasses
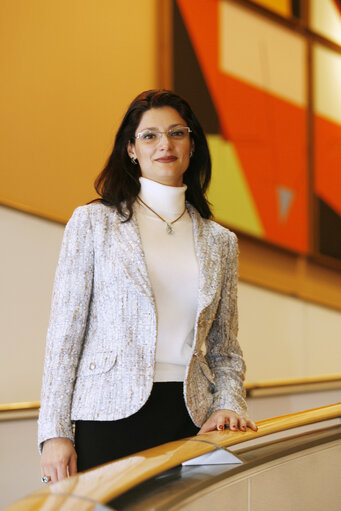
149,136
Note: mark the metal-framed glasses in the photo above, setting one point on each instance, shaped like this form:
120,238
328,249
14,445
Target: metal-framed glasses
150,136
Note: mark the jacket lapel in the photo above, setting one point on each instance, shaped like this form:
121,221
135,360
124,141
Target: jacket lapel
127,236
208,254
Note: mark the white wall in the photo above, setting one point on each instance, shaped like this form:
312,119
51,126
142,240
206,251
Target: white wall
28,257
285,337
282,337
19,460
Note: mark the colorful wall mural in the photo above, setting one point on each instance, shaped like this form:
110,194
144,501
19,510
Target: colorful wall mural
268,94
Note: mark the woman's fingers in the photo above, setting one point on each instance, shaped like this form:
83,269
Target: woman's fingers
61,470
220,418
252,425
53,474
58,455
49,472
220,422
242,423
73,465
207,426
233,421
216,421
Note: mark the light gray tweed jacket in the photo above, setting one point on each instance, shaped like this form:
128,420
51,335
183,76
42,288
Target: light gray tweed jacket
102,332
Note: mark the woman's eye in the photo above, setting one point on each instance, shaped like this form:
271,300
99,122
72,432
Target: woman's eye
148,136
178,133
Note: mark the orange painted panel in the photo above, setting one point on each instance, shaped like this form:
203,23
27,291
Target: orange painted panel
327,154
269,133
282,7
69,71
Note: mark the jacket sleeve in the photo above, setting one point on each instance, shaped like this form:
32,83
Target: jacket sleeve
68,319
224,355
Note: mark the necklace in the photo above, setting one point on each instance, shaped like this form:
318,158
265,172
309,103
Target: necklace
169,225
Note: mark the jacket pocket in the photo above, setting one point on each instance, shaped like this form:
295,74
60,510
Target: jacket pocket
96,363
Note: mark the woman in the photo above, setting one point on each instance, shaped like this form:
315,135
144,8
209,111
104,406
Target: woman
141,345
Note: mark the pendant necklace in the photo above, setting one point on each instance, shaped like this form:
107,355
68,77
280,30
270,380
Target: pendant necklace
169,225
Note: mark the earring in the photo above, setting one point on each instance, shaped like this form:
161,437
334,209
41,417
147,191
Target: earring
191,153
133,160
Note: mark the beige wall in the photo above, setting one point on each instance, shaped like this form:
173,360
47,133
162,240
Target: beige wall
282,337
285,337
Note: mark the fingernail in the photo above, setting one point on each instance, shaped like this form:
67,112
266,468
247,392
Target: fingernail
220,427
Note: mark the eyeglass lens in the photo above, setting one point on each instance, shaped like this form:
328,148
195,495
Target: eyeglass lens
152,136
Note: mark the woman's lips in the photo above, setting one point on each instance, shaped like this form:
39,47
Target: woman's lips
166,159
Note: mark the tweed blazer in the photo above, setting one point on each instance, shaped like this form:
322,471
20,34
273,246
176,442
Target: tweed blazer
101,339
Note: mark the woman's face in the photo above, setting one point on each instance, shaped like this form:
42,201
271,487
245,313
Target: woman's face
164,159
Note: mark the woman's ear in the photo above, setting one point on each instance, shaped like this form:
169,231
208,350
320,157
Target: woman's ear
131,150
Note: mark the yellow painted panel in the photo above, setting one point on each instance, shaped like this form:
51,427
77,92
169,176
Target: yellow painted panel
282,7
325,19
229,192
69,70
327,83
262,53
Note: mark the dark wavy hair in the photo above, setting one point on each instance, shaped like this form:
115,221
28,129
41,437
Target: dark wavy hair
118,184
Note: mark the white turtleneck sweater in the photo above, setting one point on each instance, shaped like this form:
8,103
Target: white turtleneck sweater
174,274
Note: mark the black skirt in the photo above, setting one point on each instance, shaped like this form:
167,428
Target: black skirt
163,418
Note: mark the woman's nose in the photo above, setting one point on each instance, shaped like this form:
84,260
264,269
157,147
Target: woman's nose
165,140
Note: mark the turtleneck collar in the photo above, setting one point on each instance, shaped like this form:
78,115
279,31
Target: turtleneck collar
167,201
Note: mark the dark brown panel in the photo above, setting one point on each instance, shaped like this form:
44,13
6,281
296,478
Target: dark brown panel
296,8
329,231
187,72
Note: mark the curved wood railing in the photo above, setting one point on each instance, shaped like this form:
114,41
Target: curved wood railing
20,407
249,386
299,383
107,482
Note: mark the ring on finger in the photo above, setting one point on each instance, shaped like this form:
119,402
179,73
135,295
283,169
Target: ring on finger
45,479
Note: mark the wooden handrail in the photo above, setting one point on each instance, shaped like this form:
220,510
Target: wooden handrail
20,407
267,384
111,480
249,386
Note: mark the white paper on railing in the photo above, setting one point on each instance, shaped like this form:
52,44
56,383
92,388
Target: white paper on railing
217,457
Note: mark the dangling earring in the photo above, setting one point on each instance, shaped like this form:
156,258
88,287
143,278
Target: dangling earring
191,153
133,160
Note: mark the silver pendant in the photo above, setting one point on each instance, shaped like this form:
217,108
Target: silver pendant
169,228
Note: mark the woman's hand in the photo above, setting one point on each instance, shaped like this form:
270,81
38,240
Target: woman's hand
220,418
58,459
